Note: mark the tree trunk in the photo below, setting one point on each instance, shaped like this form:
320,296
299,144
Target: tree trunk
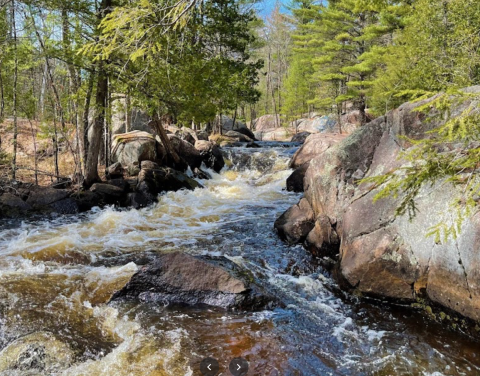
34,140
95,141
157,126
15,80
86,114
2,94
95,136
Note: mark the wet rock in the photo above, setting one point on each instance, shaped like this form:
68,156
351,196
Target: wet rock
120,183
238,136
152,182
186,151
138,200
115,171
300,137
86,200
211,155
65,206
323,240
294,225
11,205
40,198
136,146
200,174
177,278
295,180
108,194
35,354
246,132
381,254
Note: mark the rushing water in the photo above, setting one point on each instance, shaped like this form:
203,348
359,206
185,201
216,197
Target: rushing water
57,275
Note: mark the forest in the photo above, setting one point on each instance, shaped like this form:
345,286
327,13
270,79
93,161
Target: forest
67,67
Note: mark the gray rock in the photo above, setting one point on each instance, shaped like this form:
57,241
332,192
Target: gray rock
42,197
115,171
65,206
177,278
136,146
211,155
300,137
294,225
238,136
152,182
295,180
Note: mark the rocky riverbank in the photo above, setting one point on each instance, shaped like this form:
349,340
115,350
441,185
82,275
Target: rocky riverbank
377,253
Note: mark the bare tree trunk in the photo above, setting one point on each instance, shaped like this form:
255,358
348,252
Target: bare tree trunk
86,114
95,141
34,140
55,145
15,81
128,113
2,94
157,126
234,118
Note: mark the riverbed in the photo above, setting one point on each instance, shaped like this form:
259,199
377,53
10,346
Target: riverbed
57,275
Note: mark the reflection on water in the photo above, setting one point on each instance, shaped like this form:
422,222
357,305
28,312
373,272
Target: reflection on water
57,276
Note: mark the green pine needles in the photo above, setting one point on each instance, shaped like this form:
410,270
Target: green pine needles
449,154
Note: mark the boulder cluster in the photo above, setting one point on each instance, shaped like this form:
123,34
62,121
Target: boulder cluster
376,252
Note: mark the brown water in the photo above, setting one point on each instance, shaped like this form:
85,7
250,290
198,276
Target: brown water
57,275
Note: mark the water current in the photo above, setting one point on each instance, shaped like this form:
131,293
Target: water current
58,273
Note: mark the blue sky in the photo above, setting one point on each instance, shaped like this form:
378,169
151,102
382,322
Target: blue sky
265,7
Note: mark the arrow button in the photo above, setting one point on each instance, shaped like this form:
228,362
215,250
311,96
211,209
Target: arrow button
238,367
209,367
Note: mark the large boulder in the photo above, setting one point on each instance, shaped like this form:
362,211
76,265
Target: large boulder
316,124
240,137
381,254
177,278
314,146
267,122
275,134
135,146
151,182
295,180
295,224
186,151
227,125
211,155
300,137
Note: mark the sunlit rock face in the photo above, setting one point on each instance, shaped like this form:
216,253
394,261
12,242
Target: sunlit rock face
381,254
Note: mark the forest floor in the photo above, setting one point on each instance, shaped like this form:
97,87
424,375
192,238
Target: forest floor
33,139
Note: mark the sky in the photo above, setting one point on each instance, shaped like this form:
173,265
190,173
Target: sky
265,7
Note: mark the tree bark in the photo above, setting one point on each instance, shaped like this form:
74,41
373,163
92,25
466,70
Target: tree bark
157,126
15,80
95,141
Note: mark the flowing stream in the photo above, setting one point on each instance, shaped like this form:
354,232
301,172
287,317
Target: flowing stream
57,275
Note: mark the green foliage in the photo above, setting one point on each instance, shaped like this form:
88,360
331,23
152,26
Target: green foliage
191,72
450,154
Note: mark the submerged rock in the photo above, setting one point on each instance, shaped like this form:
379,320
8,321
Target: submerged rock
178,278
35,354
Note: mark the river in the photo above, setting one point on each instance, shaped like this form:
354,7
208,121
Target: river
57,275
